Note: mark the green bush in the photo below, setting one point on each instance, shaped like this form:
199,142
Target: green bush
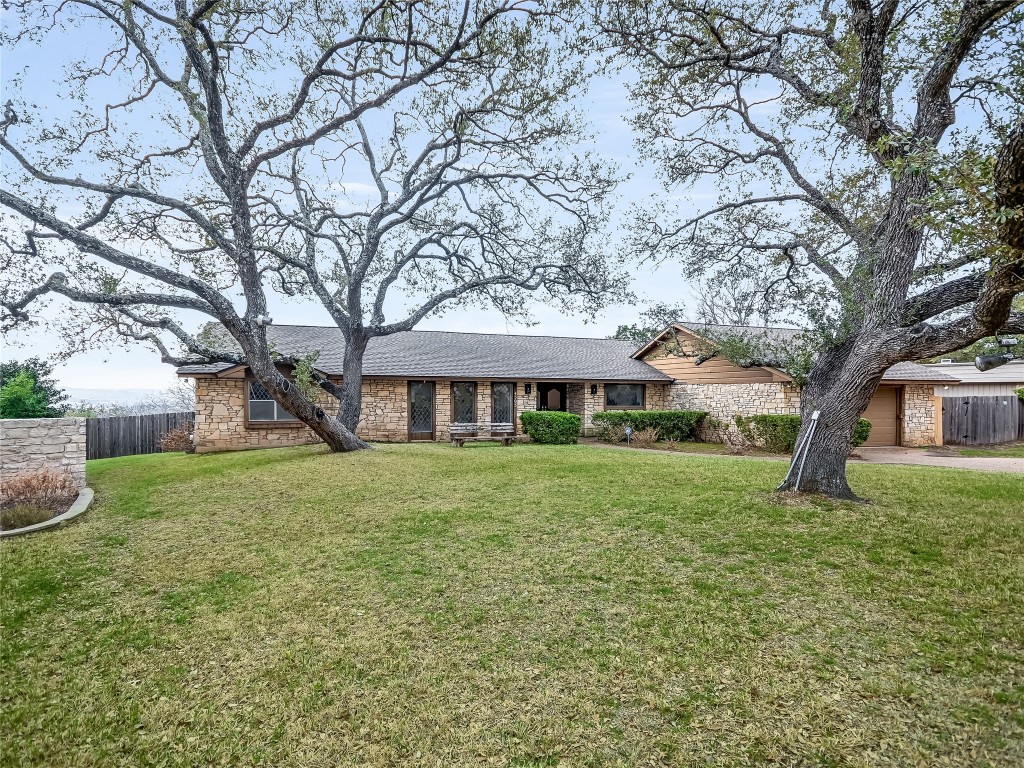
21,515
670,425
1020,393
861,433
777,433
551,427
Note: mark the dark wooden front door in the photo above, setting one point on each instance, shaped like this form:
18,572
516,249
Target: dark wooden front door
503,406
421,410
551,397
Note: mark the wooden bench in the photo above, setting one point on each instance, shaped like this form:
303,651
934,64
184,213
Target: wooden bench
462,433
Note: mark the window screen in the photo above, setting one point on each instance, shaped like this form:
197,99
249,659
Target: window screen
624,395
262,407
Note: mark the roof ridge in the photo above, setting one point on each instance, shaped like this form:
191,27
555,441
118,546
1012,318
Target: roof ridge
744,325
462,333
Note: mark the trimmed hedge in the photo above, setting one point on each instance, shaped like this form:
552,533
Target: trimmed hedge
778,433
551,427
670,425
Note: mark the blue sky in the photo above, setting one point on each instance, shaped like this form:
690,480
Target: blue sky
605,108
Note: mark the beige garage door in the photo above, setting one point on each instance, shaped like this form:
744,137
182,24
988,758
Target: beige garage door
883,413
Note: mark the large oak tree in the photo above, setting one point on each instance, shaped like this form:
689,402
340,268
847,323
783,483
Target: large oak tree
855,147
384,159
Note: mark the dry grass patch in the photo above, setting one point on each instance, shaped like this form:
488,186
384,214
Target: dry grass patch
533,606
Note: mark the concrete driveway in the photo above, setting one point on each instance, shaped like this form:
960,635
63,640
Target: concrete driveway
924,457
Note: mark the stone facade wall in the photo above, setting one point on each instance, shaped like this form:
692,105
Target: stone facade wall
28,444
220,420
723,401
220,409
384,411
659,397
919,414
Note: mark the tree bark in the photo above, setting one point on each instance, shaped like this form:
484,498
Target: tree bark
351,390
331,430
840,391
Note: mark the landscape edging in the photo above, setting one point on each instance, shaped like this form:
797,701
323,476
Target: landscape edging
85,497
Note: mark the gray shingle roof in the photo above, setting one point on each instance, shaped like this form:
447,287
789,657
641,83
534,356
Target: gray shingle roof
916,372
772,334
442,355
966,373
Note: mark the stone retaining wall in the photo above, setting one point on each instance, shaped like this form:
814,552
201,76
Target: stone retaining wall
28,444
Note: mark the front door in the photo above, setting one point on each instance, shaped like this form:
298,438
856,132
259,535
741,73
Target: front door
503,406
550,397
421,410
464,403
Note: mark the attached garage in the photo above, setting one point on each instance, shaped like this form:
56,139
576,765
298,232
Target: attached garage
884,413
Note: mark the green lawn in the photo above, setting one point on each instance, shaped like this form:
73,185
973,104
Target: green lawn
530,606
1008,451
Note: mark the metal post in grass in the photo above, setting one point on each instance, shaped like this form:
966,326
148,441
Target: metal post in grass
800,454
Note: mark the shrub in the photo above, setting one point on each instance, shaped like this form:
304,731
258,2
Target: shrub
720,431
644,438
861,433
777,433
611,433
551,427
177,440
670,425
22,515
44,487
1020,393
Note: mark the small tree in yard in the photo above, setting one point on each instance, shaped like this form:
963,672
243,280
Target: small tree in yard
385,159
827,128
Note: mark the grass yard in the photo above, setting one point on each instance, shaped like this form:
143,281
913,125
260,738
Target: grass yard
420,605
1006,451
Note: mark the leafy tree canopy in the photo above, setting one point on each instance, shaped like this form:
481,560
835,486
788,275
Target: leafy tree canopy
28,390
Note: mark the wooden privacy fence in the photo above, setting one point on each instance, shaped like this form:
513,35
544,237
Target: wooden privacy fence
109,436
982,420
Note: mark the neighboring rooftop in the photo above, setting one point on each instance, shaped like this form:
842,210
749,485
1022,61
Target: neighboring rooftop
918,372
444,355
967,373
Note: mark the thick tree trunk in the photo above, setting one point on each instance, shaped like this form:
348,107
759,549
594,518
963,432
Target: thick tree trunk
352,381
840,388
328,428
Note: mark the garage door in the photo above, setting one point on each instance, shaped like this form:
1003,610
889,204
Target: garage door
883,413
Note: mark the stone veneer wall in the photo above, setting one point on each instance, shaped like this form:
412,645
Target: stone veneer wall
723,401
919,409
28,444
220,420
659,397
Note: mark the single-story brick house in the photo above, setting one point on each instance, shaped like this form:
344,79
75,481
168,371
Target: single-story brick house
415,384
